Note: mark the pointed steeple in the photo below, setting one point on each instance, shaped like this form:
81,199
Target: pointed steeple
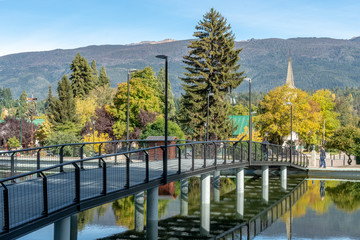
290,76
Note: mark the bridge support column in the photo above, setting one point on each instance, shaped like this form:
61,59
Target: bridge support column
283,174
184,197
240,189
139,212
265,183
73,227
216,186
152,213
205,204
62,229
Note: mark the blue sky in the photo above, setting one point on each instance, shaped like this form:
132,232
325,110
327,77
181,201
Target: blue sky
37,25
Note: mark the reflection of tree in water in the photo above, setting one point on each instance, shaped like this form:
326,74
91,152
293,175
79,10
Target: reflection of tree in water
311,199
87,217
346,196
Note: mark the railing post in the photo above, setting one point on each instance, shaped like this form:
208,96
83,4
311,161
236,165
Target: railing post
146,167
104,176
81,156
127,184
155,152
241,152
256,152
185,151
38,161
225,153
179,160
115,151
215,154
61,158
77,183
204,165
192,157
12,165
99,162
6,226
45,195
234,147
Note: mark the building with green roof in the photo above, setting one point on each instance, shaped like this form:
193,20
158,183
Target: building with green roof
239,123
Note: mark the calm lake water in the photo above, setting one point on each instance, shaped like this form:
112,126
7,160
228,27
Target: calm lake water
321,209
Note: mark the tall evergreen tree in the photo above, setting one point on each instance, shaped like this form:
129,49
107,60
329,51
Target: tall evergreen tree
95,71
82,79
23,102
171,103
62,110
212,67
103,78
48,100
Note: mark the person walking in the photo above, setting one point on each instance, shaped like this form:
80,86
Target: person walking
322,157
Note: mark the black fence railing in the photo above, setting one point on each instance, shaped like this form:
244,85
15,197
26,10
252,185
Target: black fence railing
250,228
63,183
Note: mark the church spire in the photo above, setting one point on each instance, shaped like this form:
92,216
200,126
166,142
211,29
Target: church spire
290,76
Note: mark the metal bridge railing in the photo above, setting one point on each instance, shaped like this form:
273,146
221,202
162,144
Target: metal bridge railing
36,194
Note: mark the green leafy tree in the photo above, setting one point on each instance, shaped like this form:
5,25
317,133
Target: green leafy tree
62,137
103,78
141,97
13,142
347,140
157,128
82,78
212,66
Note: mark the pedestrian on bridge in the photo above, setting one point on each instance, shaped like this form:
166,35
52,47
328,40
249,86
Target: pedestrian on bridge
322,157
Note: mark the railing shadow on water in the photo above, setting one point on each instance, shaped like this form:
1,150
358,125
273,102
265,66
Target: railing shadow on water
252,227
78,183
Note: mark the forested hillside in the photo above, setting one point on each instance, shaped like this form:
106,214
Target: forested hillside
317,63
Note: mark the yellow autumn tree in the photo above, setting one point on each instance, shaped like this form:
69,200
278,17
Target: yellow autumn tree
85,108
44,131
255,136
102,137
274,116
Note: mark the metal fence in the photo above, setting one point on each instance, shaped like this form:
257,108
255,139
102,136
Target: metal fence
61,181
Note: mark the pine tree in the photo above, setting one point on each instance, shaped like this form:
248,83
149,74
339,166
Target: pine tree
23,102
212,65
103,78
171,103
82,79
94,71
62,110
48,100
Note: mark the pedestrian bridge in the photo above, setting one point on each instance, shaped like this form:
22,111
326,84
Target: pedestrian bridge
51,183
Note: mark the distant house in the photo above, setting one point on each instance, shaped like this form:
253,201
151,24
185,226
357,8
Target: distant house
157,154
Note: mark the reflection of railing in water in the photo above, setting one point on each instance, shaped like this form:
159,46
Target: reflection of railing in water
257,224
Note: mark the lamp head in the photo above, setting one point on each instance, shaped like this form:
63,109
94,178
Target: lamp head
247,79
162,57
210,94
289,103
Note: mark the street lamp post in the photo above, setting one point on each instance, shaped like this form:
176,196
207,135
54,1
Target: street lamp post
250,120
128,107
291,133
165,158
207,116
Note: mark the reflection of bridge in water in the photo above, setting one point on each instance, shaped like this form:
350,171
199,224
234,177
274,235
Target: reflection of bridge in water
56,192
234,215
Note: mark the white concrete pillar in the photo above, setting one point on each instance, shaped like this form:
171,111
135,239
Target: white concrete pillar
73,227
184,197
283,174
313,159
265,183
152,213
205,204
240,180
62,229
240,204
139,211
216,186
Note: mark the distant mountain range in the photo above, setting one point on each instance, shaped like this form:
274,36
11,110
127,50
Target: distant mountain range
317,63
